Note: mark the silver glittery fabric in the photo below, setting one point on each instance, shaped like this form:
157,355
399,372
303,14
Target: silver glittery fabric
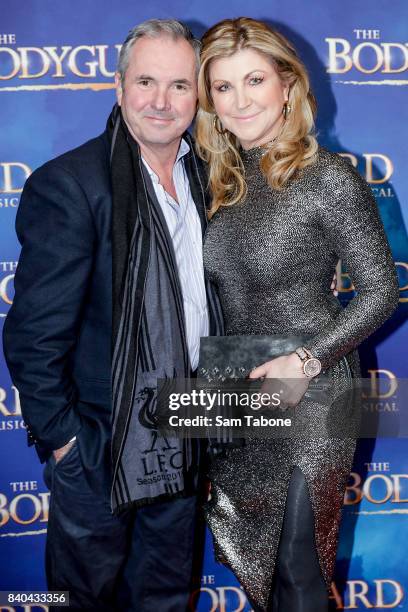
273,257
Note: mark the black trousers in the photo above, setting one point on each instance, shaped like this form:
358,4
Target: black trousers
140,561
298,584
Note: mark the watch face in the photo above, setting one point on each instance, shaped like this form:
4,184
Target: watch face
312,367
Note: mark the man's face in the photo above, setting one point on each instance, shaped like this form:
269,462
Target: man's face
159,95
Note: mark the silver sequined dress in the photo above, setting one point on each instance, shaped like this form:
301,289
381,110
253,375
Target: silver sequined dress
273,257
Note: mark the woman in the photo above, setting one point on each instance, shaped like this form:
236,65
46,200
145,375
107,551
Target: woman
284,211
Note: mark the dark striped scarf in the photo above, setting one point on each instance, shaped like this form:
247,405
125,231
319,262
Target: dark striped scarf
148,330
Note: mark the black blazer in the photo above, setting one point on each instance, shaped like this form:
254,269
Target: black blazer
57,335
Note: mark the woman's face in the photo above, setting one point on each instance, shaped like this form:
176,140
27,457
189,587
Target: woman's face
248,96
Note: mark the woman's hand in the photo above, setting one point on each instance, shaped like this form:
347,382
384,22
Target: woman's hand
333,286
286,366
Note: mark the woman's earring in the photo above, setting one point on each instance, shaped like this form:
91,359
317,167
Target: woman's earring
286,110
218,127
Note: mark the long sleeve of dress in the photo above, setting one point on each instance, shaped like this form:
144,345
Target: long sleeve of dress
350,218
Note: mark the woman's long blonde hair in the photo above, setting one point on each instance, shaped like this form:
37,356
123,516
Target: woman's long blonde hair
296,145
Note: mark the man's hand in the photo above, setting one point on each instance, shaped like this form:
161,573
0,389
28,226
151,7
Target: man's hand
61,452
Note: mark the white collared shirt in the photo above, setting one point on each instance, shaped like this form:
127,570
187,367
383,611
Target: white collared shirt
184,227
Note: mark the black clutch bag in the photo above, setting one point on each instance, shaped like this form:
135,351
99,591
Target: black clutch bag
233,357
225,360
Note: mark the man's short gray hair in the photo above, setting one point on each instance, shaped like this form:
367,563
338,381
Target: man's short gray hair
155,28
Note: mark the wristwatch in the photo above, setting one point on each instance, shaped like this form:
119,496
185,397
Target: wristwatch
311,366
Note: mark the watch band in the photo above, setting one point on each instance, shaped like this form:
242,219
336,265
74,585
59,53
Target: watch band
311,365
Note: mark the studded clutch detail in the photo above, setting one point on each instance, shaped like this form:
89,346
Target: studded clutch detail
232,358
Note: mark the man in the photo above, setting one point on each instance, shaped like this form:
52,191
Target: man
110,287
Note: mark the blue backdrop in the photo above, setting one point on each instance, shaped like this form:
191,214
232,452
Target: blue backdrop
57,61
